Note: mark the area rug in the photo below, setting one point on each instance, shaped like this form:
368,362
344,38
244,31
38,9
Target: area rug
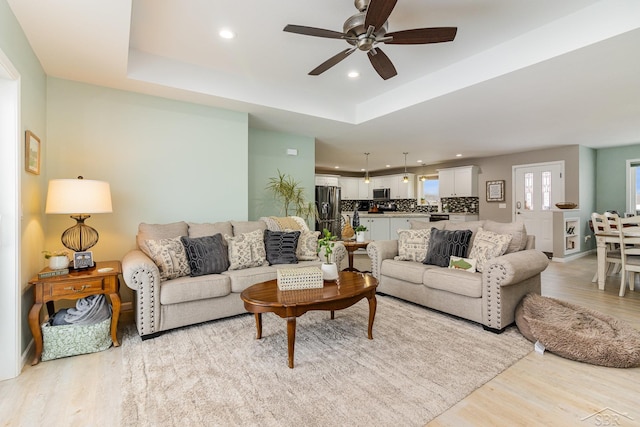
419,364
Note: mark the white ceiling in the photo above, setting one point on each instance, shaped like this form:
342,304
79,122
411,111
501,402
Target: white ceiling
520,75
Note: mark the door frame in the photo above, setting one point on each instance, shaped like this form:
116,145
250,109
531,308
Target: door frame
10,296
630,204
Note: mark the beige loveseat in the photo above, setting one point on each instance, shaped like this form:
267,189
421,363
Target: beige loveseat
488,297
162,304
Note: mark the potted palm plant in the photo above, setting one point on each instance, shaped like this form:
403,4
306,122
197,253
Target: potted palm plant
360,233
291,195
326,244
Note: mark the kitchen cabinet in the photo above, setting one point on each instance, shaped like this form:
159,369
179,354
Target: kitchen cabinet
328,180
463,218
377,228
458,182
364,189
396,224
349,188
403,190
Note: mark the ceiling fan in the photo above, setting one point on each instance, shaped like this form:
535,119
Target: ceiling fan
366,29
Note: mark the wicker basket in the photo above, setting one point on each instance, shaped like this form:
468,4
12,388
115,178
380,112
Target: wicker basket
299,278
300,295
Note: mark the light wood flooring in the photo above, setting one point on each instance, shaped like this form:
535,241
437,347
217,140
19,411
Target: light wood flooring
538,390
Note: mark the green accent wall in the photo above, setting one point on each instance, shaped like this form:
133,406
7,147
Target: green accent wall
611,186
267,155
587,197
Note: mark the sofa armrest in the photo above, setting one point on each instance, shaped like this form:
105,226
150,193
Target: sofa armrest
515,267
142,275
505,280
378,251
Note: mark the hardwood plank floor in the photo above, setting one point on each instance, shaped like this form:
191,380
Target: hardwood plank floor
537,390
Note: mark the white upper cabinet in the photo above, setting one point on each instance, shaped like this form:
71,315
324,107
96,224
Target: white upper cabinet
349,188
328,180
458,182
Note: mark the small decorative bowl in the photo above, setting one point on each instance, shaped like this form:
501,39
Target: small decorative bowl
566,205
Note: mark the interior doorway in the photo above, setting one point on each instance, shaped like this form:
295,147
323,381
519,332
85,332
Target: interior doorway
536,190
10,359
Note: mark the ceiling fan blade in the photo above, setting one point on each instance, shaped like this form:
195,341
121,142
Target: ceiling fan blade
378,12
312,31
381,63
423,35
331,62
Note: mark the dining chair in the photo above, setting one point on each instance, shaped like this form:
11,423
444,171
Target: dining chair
629,250
606,222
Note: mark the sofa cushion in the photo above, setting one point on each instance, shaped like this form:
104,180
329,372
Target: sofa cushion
275,223
242,279
407,271
444,243
488,245
169,255
456,281
242,227
517,230
281,246
186,289
308,246
467,225
206,255
413,245
246,250
160,231
210,228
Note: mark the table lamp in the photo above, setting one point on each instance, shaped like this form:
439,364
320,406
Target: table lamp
78,197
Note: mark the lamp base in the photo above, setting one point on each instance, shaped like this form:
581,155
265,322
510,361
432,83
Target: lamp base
80,237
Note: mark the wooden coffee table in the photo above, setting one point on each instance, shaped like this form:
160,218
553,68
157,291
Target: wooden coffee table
347,290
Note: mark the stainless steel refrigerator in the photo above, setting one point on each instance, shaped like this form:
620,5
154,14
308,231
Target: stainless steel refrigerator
328,204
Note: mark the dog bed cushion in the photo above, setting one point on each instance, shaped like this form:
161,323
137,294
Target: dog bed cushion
578,333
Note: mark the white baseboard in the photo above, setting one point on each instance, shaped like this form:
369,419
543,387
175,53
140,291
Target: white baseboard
572,257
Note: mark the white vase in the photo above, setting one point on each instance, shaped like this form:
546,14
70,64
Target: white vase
359,236
329,272
58,262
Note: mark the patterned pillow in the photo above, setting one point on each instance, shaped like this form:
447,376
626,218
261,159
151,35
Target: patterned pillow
308,246
488,245
206,255
170,257
466,264
281,246
246,250
444,243
413,245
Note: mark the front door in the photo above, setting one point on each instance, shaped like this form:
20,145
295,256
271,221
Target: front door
538,187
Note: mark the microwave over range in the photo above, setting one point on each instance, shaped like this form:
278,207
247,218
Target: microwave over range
381,194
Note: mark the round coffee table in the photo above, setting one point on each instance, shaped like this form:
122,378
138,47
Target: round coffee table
350,288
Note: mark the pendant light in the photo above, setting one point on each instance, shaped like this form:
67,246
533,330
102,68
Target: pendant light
423,177
405,179
366,170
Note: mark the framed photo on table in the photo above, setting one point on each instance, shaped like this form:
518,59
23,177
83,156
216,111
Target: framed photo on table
32,150
82,260
495,191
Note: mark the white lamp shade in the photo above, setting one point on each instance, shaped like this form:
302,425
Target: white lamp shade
78,196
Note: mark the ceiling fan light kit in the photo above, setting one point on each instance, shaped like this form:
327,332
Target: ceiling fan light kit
366,29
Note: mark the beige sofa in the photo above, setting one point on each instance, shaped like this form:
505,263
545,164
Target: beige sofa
166,304
488,298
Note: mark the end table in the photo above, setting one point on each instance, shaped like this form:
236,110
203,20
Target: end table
101,279
351,246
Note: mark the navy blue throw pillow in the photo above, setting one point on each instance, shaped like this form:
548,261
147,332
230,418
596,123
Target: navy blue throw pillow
445,243
281,246
207,255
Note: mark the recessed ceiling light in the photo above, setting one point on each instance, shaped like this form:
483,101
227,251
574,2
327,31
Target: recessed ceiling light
227,34
458,155
388,166
353,74
419,161
362,170
336,167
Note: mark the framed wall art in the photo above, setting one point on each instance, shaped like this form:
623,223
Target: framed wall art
495,191
32,152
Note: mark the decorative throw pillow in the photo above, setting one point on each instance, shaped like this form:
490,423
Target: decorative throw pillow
308,246
466,264
517,231
413,245
170,257
488,245
206,255
444,243
246,250
281,246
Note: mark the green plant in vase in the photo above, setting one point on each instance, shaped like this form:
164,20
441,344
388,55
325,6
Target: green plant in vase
360,233
326,244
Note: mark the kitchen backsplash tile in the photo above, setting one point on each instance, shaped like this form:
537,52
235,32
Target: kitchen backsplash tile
452,204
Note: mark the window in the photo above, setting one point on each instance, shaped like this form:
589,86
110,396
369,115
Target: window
633,186
428,190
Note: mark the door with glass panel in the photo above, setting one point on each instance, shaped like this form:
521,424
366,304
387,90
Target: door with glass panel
537,188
